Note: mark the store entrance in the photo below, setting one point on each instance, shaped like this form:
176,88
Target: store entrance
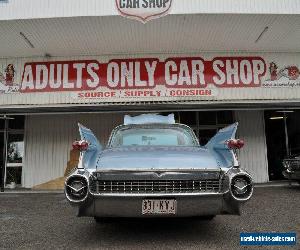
283,139
11,151
2,162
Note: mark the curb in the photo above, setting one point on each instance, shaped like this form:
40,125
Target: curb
283,184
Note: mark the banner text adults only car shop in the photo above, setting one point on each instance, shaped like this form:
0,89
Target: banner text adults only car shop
142,73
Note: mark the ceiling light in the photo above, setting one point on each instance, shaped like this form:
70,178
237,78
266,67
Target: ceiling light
285,111
276,117
27,40
6,118
261,34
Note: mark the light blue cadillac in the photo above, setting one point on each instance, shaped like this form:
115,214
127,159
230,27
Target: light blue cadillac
154,167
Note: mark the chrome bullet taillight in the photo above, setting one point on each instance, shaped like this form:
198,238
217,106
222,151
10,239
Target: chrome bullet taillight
76,188
241,187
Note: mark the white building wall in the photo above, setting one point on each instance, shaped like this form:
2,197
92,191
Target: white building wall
253,157
48,141
26,9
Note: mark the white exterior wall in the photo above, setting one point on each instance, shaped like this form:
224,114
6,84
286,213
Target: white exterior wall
48,141
14,9
253,157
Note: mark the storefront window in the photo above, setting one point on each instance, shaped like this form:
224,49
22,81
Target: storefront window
205,124
1,124
188,118
15,148
225,117
207,118
17,122
205,135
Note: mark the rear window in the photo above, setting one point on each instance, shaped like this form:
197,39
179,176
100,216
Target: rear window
153,137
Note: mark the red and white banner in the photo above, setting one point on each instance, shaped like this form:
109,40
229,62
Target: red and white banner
192,72
146,77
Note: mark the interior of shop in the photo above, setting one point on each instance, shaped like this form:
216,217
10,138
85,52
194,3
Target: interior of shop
282,129
205,123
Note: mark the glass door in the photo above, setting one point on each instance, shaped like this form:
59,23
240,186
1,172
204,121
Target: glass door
14,161
2,163
3,138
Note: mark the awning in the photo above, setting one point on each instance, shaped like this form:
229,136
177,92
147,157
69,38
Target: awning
149,106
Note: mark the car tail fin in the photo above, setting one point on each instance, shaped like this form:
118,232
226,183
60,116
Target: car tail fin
218,141
88,157
221,145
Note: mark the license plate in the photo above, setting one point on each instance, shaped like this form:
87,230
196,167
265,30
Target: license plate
166,206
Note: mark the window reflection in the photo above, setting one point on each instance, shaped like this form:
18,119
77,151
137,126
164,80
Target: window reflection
15,152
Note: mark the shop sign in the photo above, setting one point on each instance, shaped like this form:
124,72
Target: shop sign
143,10
286,76
146,77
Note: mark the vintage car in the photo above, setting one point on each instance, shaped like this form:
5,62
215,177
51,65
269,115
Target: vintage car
155,167
292,168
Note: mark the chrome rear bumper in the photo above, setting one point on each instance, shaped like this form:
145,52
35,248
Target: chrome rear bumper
197,193
188,205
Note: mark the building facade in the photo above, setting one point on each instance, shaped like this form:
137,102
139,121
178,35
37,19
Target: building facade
210,63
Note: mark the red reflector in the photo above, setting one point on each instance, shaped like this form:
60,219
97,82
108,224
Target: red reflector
235,143
80,145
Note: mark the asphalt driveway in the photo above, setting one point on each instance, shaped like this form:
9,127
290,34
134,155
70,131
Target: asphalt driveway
46,221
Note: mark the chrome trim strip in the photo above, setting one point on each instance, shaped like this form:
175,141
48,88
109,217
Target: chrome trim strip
169,170
157,195
124,175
